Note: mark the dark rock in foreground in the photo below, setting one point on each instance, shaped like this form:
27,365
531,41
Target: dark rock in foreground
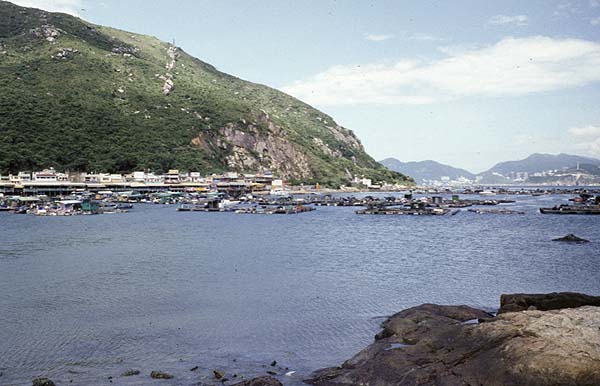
260,381
445,346
421,320
42,382
545,302
571,238
160,375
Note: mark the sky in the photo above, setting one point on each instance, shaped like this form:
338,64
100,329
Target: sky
467,83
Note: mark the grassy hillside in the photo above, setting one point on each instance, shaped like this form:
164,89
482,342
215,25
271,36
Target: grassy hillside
78,96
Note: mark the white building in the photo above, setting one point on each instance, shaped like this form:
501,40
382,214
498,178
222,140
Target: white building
49,175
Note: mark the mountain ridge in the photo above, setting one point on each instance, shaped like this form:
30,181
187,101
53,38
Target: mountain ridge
502,172
537,162
427,170
80,96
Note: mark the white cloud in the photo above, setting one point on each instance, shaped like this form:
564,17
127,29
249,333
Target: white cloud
594,3
424,37
377,37
66,6
585,131
595,21
513,66
517,20
587,139
566,9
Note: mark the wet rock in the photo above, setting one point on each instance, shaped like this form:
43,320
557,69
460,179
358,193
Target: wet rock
274,363
571,238
416,321
260,381
545,302
194,368
271,372
160,375
42,382
130,373
218,374
534,348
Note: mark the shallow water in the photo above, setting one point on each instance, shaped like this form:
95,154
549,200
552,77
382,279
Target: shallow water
84,298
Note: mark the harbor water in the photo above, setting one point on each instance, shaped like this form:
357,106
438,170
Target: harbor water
84,298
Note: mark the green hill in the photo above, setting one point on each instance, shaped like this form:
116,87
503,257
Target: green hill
82,97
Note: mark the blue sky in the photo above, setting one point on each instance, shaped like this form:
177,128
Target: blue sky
469,83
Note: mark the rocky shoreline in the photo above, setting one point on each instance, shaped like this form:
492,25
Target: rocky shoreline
536,340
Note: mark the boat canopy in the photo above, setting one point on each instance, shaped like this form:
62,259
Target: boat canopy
69,202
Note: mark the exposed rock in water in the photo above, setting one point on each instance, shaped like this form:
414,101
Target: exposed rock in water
160,375
260,381
42,382
571,238
130,373
434,345
418,321
218,374
545,302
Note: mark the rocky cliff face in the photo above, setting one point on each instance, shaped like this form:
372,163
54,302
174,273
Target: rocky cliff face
78,96
457,346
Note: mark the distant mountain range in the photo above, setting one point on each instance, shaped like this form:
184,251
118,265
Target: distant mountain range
539,162
426,170
538,168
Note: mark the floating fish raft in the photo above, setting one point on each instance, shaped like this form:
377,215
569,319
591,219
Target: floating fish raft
572,209
495,211
406,211
291,209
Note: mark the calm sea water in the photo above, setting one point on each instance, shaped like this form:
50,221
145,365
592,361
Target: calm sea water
84,298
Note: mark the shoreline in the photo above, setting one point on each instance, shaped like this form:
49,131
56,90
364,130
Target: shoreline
534,340
441,345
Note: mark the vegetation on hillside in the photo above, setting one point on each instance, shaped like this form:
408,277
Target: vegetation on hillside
82,97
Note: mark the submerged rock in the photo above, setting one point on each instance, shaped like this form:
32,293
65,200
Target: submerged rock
130,373
218,374
545,302
160,375
571,238
260,381
430,345
42,382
